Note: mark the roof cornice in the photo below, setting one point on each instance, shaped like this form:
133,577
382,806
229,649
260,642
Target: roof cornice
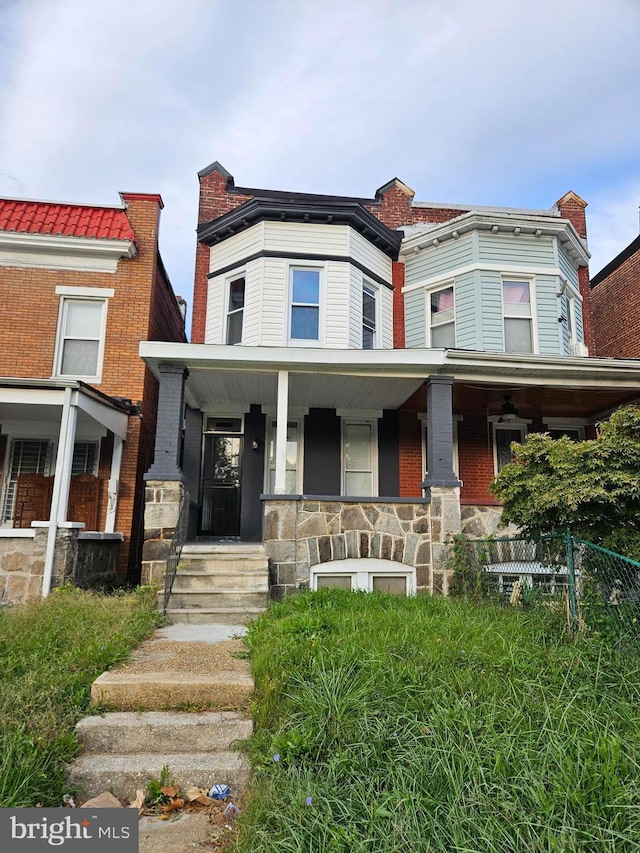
533,225
60,252
305,209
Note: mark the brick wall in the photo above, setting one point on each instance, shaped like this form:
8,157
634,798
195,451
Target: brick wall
616,311
475,459
143,307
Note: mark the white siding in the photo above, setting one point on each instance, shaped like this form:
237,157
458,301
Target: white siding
336,305
253,298
274,307
439,260
215,310
355,308
522,251
306,238
368,255
237,248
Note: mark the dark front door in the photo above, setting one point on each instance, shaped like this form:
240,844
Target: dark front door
221,485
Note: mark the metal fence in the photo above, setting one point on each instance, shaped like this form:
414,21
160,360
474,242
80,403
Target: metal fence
601,589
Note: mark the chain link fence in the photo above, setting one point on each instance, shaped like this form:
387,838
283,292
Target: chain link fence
600,589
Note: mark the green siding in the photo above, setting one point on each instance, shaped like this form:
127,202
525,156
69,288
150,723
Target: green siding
508,249
439,260
415,319
547,314
491,312
466,314
567,267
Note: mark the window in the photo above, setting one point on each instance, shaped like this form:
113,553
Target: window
85,458
516,301
369,295
359,446
235,310
293,477
442,327
81,330
575,433
367,574
27,457
503,437
305,304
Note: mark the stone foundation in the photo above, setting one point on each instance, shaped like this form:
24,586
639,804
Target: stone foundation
300,533
162,510
478,522
22,565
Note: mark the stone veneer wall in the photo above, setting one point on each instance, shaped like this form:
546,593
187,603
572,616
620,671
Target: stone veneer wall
301,532
162,509
477,522
86,562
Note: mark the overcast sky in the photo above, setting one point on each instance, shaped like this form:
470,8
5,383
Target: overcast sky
491,102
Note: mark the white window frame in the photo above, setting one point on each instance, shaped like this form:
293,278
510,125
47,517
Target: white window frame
373,423
511,425
374,291
531,316
320,268
428,294
574,425
362,571
271,436
422,417
68,296
241,273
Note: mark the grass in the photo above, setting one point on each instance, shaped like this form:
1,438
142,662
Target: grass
387,724
51,651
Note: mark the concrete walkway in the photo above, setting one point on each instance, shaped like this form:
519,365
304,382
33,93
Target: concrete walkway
181,701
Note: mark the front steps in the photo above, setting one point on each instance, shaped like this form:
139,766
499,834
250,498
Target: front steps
219,582
123,751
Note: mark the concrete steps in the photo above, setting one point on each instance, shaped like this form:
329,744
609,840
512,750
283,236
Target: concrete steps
123,751
216,582
157,691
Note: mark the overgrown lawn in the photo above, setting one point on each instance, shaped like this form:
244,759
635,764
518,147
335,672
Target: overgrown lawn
386,724
51,652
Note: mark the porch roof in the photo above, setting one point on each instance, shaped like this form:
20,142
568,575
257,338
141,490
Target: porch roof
385,379
44,399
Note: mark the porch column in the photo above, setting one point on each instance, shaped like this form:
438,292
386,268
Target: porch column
61,483
282,413
166,460
440,433
114,484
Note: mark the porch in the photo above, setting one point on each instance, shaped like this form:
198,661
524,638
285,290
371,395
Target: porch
60,455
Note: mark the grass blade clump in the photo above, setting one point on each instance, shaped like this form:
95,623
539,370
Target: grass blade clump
438,725
52,651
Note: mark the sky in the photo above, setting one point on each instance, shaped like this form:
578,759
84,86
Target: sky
488,102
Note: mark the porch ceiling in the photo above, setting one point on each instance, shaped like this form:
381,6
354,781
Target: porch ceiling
310,390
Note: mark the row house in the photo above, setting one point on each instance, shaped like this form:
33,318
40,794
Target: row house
358,370
81,286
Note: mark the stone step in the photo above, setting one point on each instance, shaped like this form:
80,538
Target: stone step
217,599
128,732
155,691
219,579
222,548
124,774
209,615
231,563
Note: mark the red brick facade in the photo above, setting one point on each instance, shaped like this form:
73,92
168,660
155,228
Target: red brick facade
615,304
143,307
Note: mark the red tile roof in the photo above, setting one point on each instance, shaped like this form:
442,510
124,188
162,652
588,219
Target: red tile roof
68,220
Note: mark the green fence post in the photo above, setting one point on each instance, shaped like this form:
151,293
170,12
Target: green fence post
571,581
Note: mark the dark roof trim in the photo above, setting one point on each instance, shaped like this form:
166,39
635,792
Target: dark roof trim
310,198
216,167
299,208
624,255
297,256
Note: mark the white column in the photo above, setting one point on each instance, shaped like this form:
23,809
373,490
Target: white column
61,483
114,484
282,413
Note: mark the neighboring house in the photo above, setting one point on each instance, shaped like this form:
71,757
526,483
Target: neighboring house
358,371
615,297
81,285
